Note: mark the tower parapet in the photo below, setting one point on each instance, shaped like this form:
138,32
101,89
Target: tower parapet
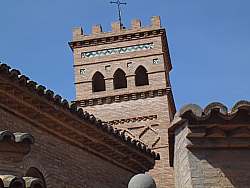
116,29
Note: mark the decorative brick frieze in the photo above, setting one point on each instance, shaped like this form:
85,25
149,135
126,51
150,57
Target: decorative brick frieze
121,50
132,120
122,97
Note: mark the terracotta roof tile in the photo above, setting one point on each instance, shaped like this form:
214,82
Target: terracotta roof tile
8,181
215,112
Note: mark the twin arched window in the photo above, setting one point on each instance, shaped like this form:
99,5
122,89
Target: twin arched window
120,79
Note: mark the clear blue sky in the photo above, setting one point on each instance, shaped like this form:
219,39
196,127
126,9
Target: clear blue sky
209,42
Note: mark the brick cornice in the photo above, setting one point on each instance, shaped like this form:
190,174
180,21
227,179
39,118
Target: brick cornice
110,38
132,120
122,97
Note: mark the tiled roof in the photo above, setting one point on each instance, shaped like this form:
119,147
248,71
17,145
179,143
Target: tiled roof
8,181
22,80
214,113
214,121
17,137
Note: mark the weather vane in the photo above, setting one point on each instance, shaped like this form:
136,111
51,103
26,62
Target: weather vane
119,3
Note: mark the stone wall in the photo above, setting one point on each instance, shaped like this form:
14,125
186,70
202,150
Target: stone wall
211,162
182,171
61,164
220,168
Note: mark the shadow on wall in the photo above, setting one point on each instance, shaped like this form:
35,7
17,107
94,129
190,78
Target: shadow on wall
221,167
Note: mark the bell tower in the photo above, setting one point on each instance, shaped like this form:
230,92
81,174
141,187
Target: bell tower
122,77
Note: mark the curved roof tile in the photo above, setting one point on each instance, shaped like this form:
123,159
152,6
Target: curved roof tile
11,181
31,182
6,135
243,104
214,112
216,105
24,137
194,108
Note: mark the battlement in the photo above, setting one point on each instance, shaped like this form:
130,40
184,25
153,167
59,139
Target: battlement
117,29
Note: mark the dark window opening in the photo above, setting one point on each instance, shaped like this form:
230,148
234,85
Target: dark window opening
98,82
120,80
141,76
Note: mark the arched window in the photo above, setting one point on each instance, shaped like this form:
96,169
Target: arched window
141,76
35,173
120,80
98,82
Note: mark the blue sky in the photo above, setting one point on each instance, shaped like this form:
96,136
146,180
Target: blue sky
209,42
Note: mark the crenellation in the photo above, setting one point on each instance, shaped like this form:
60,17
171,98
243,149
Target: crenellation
77,32
96,29
136,24
117,28
156,21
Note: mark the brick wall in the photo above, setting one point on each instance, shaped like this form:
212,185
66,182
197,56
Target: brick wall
128,62
162,173
62,165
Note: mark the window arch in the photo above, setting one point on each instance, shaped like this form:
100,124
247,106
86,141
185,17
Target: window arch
35,173
141,76
98,82
120,80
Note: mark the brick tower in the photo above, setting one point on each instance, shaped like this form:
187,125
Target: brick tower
122,77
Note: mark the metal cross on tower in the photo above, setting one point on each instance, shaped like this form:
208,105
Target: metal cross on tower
119,3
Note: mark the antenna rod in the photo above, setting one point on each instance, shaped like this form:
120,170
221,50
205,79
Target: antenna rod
119,3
